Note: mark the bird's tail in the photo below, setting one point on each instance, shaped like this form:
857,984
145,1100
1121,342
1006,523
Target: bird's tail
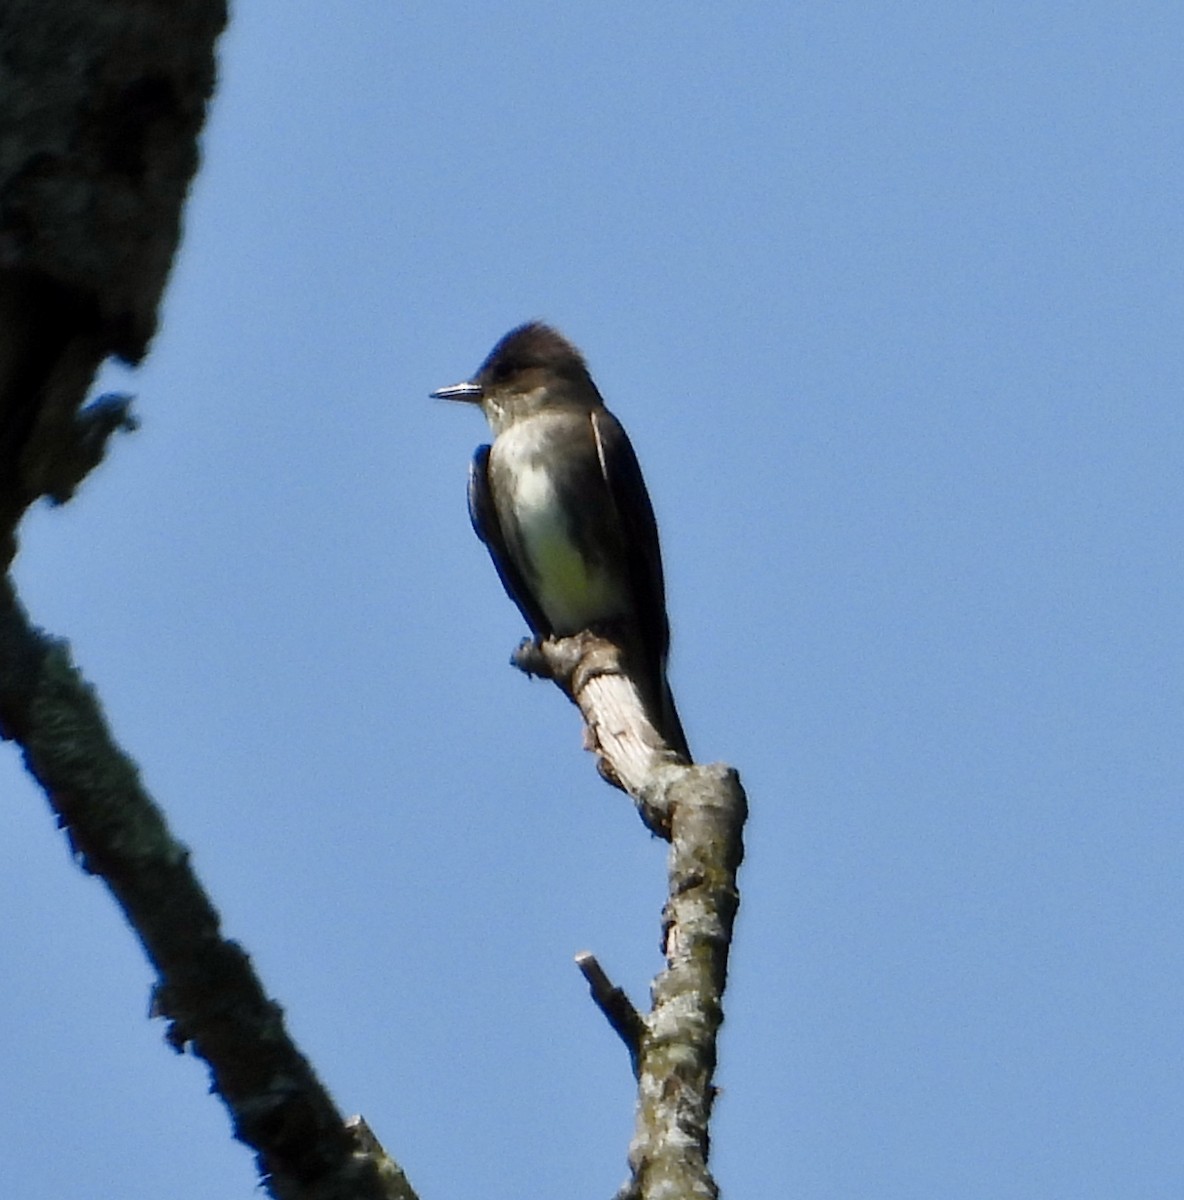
670,726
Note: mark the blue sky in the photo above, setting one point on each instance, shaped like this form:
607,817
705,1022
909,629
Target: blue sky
889,298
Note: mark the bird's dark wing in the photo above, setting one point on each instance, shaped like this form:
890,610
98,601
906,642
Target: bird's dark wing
488,528
626,487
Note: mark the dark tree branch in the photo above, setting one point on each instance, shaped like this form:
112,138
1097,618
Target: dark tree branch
101,103
207,989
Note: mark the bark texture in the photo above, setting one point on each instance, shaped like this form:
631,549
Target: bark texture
101,103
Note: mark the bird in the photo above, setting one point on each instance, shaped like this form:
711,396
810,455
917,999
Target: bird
560,502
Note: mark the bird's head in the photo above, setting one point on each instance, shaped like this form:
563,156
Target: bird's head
531,368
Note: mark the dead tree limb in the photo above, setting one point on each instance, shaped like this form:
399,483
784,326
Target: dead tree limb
701,811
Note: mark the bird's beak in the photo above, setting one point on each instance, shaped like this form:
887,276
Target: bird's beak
469,392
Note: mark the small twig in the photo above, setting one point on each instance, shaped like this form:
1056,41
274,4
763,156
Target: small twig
618,1009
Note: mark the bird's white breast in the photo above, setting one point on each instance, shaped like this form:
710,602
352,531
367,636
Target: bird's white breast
571,591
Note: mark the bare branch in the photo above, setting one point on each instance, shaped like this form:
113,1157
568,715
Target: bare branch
701,810
591,671
676,1092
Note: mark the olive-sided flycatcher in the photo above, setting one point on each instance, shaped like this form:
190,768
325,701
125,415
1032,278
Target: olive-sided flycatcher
560,503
